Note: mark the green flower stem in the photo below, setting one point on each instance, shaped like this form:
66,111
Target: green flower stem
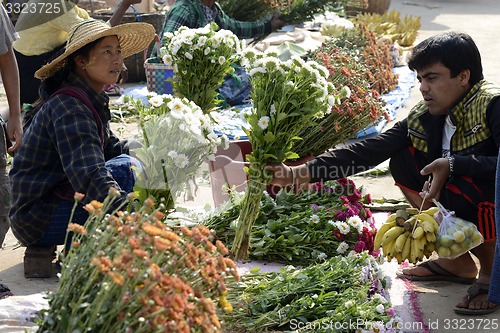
249,212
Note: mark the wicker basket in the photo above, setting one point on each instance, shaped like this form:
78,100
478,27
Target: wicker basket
355,7
135,63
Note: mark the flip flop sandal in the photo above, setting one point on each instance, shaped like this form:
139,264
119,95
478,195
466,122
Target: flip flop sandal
473,291
5,291
438,274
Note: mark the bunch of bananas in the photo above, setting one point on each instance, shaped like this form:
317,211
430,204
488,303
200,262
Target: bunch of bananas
408,234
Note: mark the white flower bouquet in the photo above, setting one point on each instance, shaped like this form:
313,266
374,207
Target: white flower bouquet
287,97
200,58
176,139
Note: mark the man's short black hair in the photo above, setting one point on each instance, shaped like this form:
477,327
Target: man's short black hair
455,50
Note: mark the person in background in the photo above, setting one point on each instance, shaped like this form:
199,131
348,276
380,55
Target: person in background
453,134
43,28
198,13
11,130
69,147
494,292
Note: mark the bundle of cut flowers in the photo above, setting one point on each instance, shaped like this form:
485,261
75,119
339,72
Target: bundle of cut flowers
287,96
300,11
326,220
248,10
341,294
390,25
359,108
130,272
374,52
176,138
200,58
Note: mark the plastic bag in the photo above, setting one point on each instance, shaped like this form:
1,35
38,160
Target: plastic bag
455,236
236,88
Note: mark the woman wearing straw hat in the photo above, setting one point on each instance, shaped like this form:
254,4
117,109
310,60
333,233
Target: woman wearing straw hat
68,146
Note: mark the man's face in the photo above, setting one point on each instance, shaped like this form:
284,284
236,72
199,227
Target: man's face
439,90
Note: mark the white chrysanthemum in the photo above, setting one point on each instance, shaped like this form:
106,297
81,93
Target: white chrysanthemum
222,60
176,109
167,59
273,109
181,161
343,227
212,137
225,141
380,308
314,218
331,100
355,222
203,30
216,117
151,94
381,298
216,40
172,154
256,70
201,41
348,304
263,122
322,256
342,247
156,101
206,51
346,92
332,223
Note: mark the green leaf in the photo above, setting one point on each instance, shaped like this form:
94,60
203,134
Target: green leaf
269,137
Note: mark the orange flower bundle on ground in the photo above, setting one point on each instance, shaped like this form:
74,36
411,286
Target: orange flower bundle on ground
130,272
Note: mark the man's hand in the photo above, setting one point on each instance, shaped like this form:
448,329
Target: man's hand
282,174
440,170
276,22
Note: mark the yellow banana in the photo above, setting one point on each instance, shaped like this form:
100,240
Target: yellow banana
431,211
391,218
400,241
426,217
406,249
431,237
414,253
377,242
427,226
392,234
412,210
399,257
388,249
429,249
418,232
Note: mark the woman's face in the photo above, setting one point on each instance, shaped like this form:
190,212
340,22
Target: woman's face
103,65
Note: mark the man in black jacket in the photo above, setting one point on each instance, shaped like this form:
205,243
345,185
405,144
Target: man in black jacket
452,135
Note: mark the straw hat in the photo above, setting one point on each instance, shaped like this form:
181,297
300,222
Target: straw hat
133,37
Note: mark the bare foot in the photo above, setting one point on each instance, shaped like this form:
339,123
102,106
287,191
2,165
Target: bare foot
476,299
461,267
